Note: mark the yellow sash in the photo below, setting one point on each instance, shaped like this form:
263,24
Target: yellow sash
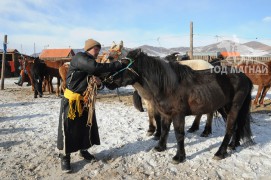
74,98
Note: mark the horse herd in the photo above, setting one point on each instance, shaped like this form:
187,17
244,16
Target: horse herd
41,72
174,89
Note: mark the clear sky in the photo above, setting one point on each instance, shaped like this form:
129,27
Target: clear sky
68,23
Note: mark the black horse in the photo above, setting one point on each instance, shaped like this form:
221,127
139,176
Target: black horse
38,71
154,117
177,91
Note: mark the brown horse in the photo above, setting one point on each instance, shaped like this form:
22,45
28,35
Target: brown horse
259,74
25,73
52,70
116,51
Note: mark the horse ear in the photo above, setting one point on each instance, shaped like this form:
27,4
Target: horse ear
138,52
121,44
113,44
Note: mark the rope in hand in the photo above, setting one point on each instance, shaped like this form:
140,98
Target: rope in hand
90,98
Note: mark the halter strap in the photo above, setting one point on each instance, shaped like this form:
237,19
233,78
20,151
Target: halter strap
127,67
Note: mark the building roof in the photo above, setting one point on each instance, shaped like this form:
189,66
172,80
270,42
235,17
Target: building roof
10,51
56,53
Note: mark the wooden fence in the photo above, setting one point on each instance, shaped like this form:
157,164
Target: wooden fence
236,60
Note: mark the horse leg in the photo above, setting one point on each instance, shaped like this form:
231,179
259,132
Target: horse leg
195,125
264,92
63,85
35,92
45,84
152,126
36,87
230,130
208,127
157,118
178,124
260,88
31,80
40,87
137,101
165,126
57,86
50,83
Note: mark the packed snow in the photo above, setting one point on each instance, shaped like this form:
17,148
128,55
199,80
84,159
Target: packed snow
28,131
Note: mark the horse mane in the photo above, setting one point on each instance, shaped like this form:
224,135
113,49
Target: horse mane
163,76
172,57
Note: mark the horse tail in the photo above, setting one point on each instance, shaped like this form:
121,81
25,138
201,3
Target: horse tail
244,118
137,101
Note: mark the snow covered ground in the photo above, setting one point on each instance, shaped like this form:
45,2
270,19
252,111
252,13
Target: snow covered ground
28,132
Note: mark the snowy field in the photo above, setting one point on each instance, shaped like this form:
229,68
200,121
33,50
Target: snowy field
28,133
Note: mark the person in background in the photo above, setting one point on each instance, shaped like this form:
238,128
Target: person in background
20,81
23,72
73,133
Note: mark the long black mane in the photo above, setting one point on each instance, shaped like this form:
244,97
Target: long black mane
163,76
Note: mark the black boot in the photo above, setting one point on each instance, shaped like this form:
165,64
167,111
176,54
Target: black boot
84,154
66,163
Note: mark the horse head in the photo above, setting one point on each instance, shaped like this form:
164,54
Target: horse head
126,76
116,52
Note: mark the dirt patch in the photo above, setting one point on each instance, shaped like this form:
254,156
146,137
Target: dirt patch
266,108
112,97
125,98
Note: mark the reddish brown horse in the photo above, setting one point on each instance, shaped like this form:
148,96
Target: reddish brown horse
26,73
259,74
52,70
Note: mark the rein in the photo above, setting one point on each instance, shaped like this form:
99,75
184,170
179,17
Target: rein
90,99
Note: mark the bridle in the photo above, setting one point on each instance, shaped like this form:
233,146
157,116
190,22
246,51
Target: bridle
128,67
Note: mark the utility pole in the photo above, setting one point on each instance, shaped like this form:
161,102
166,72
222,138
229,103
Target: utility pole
4,61
34,49
191,40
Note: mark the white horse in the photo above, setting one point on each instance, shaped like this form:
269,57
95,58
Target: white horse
197,64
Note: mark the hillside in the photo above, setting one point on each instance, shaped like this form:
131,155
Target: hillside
252,48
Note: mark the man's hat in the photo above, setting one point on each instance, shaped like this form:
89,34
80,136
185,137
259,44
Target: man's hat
90,43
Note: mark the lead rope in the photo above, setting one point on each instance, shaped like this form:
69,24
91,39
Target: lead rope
90,99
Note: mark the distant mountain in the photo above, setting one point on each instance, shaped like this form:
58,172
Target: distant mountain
252,48
258,45
155,51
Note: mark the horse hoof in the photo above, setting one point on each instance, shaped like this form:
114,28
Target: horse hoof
217,158
205,134
174,161
156,138
149,133
191,130
159,148
177,160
